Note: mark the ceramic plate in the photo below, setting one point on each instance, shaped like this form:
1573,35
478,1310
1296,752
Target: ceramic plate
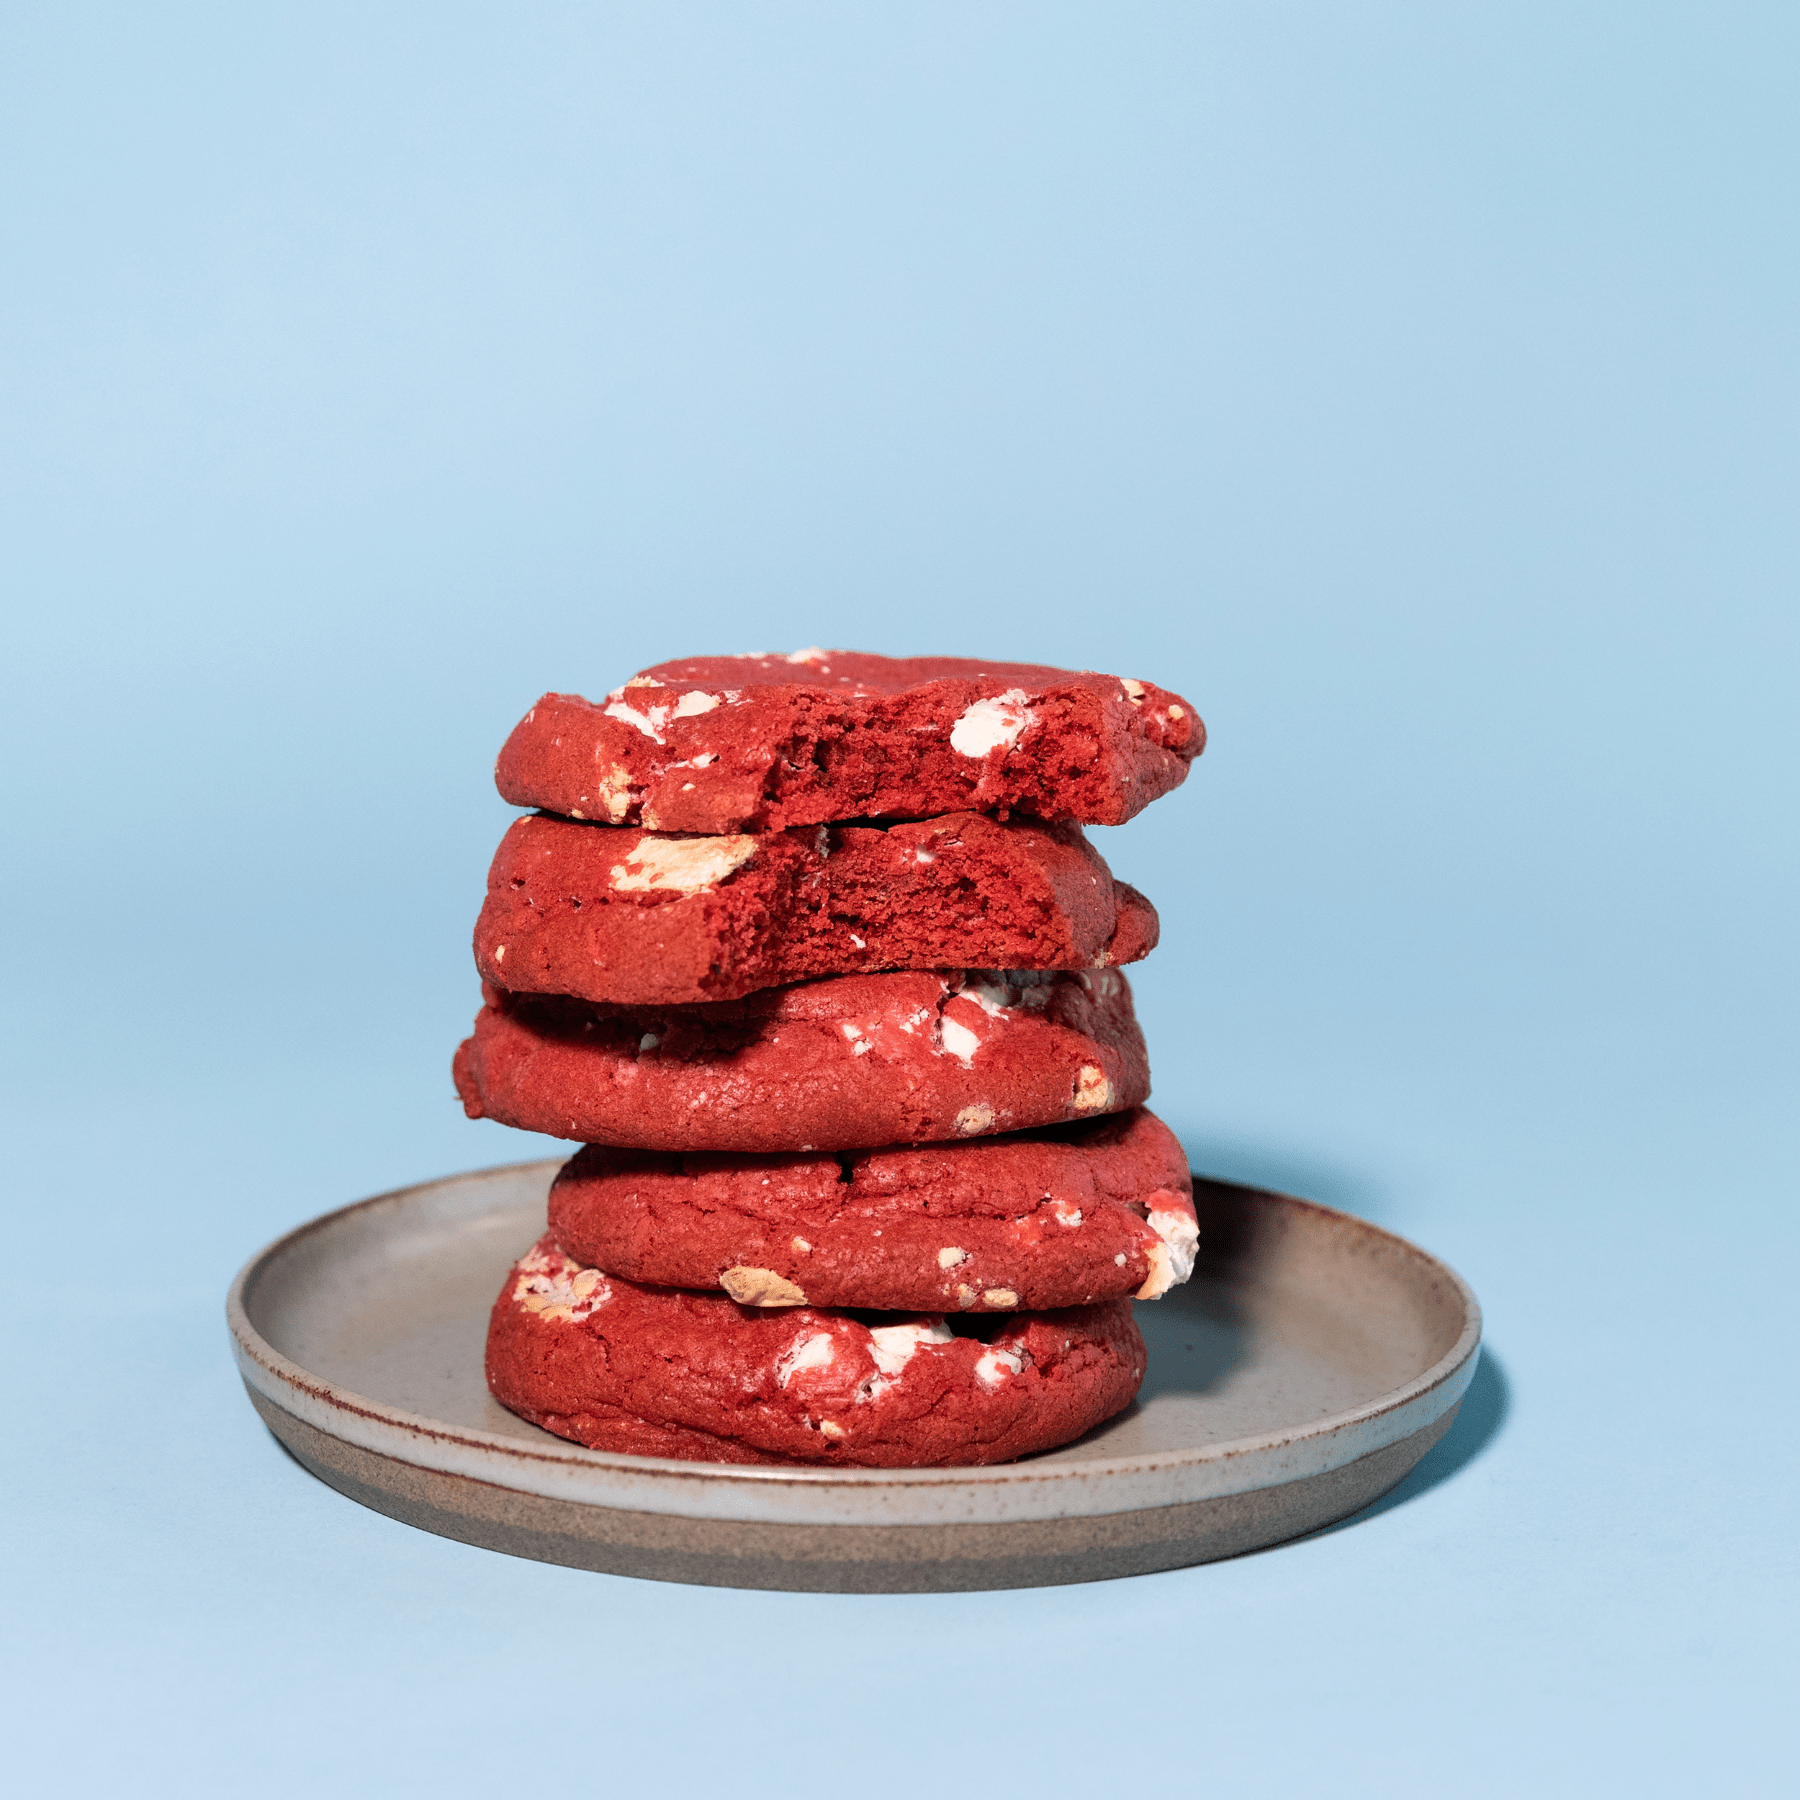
1311,1361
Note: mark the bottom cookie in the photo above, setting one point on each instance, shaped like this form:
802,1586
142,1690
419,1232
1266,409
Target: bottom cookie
666,1372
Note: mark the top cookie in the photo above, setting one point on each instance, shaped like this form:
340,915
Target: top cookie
734,743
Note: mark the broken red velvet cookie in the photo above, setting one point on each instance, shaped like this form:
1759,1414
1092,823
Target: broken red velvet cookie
1064,1216
615,913
660,1372
854,1061
758,743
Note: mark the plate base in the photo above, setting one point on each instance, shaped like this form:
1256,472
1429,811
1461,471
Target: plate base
846,1559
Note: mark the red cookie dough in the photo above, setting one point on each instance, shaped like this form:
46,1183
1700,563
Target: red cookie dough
659,1372
1061,1217
851,1062
735,743
618,914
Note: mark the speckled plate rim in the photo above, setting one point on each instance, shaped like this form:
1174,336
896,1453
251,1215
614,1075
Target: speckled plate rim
755,1494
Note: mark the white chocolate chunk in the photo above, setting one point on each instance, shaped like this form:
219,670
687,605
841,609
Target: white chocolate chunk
1001,1297
974,1119
690,706
993,997
893,1347
1171,1261
558,1289
760,1287
950,1256
681,865
649,722
1093,1092
813,1351
960,1041
614,792
993,1366
991,725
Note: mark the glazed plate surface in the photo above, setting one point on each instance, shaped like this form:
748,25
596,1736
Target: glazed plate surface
1309,1364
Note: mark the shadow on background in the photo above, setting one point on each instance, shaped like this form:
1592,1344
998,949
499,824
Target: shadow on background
1479,1421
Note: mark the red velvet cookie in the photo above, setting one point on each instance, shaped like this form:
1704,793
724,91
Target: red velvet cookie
618,914
851,1062
660,1372
734,743
1060,1217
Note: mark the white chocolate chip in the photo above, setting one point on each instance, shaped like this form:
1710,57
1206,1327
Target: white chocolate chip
499,953
1134,690
1001,1297
973,1119
692,705
802,1246
950,1256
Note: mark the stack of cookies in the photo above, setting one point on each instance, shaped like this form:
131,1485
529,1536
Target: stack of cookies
811,956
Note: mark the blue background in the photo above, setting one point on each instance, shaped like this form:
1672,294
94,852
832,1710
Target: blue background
1410,386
